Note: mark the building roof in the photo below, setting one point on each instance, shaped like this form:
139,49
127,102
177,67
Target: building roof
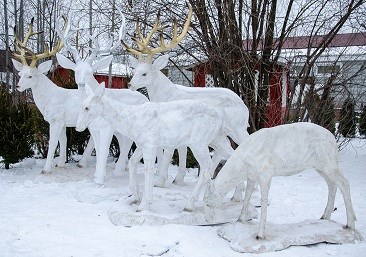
303,42
118,69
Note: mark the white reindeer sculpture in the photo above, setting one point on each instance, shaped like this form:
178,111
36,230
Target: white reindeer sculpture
100,130
160,125
161,89
58,106
281,151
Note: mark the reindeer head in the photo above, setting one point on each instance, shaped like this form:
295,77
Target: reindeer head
29,72
84,68
92,108
145,71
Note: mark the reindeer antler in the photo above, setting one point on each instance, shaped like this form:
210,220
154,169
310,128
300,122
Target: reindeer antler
109,48
65,36
142,42
25,53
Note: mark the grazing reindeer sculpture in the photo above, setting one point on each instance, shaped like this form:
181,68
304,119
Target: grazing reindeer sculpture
281,151
161,89
100,130
160,125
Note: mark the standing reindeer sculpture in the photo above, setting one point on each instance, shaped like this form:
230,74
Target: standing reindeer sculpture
160,125
161,89
100,130
281,151
58,106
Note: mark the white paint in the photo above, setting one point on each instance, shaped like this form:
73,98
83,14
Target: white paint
58,106
100,129
281,151
161,89
167,125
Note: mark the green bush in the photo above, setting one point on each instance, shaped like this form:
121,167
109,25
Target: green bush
191,161
76,141
328,119
16,135
362,122
40,131
347,123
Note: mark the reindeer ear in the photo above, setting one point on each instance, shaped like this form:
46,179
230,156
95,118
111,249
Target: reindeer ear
102,63
65,62
133,61
161,62
18,65
44,67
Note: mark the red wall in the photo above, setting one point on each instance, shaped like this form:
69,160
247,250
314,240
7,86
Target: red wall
275,111
117,82
199,77
65,77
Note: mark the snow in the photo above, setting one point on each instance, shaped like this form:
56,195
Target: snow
66,214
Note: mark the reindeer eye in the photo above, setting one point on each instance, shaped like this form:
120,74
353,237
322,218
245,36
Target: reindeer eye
86,108
30,76
144,74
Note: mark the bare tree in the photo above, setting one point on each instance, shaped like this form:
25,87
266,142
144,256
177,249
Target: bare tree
243,42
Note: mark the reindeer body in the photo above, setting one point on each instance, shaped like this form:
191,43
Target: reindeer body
101,131
161,89
60,108
282,151
161,125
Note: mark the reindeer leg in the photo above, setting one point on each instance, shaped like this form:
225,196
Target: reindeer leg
105,138
264,186
87,152
55,131
124,148
244,215
203,157
132,166
163,171
63,146
149,155
332,190
179,178
343,185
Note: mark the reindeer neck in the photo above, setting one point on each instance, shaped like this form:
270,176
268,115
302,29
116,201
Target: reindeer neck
162,89
119,114
44,90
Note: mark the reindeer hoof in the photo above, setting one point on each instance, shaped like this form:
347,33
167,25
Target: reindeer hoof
160,183
188,209
81,164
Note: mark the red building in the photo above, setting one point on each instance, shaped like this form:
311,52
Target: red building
278,91
66,78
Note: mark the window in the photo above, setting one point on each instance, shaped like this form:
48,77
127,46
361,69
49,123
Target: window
328,69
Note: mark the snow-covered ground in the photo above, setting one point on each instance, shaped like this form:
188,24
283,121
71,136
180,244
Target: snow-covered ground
65,214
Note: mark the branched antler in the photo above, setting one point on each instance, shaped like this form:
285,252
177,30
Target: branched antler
95,50
142,42
65,36
23,53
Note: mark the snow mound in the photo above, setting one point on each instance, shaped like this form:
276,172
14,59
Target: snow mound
171,212
242,236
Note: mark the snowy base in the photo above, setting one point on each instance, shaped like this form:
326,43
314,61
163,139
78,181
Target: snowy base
242,236
126,215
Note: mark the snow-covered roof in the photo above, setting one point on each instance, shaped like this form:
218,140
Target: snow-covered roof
118,69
